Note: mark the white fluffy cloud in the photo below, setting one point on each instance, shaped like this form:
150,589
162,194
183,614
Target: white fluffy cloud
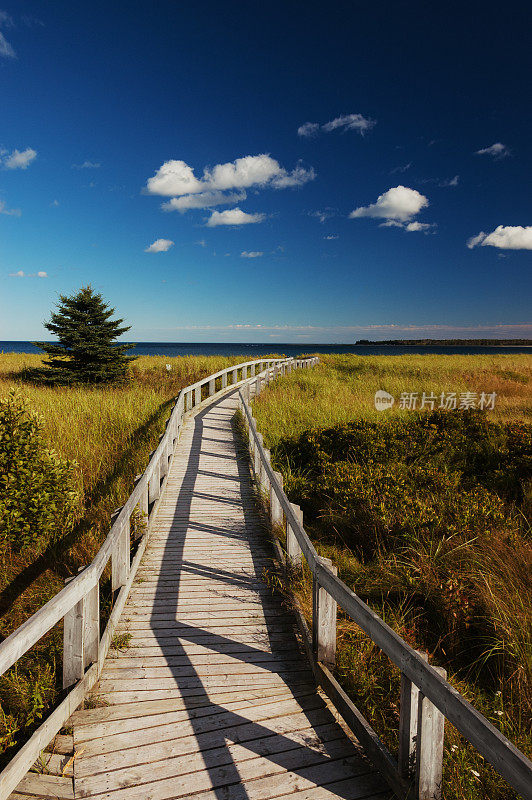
223,183
251,253
505,237
159,246
398,205
497,150
10,212
19,159
233,216
348,122
174,178
202,200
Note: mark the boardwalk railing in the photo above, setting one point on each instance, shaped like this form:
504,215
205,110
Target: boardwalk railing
78,604
427,699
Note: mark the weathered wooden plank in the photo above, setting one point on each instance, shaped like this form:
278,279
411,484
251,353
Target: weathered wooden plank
198,695
55,764
248,735
62,743
177,777
47,786
263,776
211,717
224,701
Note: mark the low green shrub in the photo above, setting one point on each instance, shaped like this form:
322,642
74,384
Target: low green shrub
38,495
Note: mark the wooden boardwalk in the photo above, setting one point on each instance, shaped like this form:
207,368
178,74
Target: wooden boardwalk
212,697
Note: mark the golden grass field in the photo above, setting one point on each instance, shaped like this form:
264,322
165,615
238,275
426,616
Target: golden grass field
342,388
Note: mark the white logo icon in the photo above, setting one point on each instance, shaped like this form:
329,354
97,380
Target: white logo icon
383,400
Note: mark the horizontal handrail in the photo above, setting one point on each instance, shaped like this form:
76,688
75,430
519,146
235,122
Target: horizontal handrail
78,602
508,761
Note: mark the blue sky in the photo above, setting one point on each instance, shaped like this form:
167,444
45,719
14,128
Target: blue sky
283,172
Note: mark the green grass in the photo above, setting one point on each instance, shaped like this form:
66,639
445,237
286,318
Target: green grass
427,517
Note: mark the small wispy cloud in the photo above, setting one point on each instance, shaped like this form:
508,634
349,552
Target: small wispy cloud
308,129
21,274
497,150
402,168
250,254
324,215
87,165
451,182
233,216
6,49
347,122
159,246
19,159
10,212
331,237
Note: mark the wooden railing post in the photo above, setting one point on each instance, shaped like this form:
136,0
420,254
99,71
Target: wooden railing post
235,376
142,510
265,481
429,750
91,626
244,373
197,397
163,461
154,485
224,380
324,620
73,663
408,720
81,636
257,461
212,386
293,550
252,370
258,383
276,510
120,559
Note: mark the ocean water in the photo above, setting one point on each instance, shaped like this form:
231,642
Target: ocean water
251,350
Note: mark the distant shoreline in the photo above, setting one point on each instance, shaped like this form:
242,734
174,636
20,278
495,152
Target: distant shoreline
444,343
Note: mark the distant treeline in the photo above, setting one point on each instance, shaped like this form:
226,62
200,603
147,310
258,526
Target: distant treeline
453,342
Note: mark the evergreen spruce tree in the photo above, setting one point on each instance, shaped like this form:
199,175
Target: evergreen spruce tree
85,352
